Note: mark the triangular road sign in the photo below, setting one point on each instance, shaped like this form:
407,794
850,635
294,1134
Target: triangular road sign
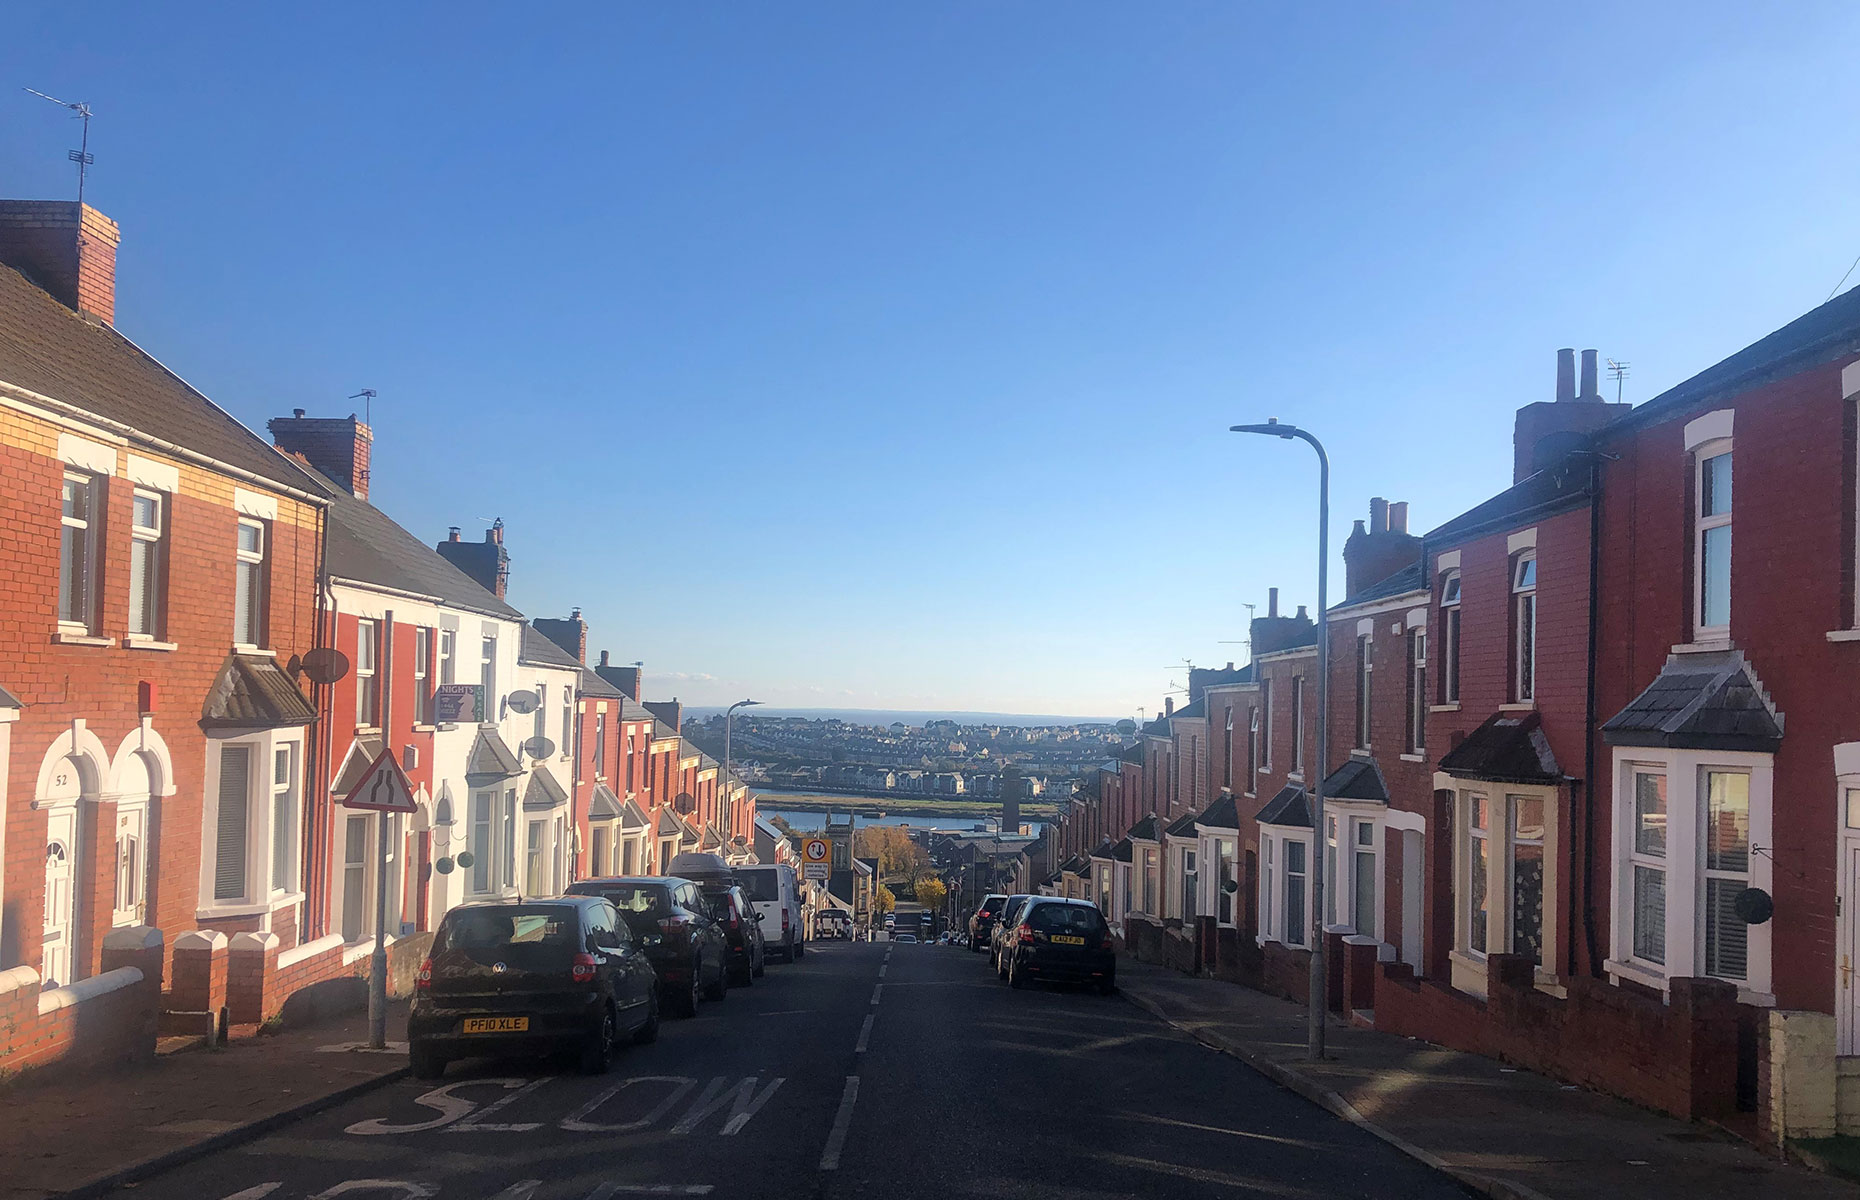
384,788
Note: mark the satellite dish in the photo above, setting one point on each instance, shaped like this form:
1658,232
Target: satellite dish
538,747
466,858
1126,727
523,703
685,802
739,840
326,665
443,866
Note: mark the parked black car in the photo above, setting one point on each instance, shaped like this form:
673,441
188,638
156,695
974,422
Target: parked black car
537,975
1010,909
742,932
983,922
673,922
1059,940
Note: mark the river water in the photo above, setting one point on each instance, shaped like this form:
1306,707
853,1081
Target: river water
818,820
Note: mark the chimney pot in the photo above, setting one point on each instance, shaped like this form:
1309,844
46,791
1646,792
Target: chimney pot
1358,530
452,533
1302,614
603,658
1378,515
1230,664
1272,602
1590,388
1168,706
1398,517
298,413
1565,375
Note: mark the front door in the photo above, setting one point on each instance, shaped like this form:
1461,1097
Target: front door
1847,999
132,824
61,848
354,878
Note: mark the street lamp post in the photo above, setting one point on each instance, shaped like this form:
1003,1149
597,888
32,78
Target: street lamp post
1320,992
729,718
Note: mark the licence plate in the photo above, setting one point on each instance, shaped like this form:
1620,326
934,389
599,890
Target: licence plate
497,1025
1061,939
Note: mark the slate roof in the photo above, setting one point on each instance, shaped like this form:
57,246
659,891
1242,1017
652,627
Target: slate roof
1357,779
1132,754
1121,852
667,825
1104,850
1145,830
604,805
632,817
1825,332
362,754
633,710
1288,809
543,791
688,749
1209,677
9,700
661,732
539,651
250,692
1543,494
1192,710
367,546
1157,727
1182,826
1700,702
593,685
48,349
1507,749
491,757
1222,814
1411,578
1076,865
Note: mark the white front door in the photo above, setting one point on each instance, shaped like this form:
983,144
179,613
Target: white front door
355,841
61,875
132,825
1847,999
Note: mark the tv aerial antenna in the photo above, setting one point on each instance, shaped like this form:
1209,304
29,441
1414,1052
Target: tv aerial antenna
1617,371
367,397
82,155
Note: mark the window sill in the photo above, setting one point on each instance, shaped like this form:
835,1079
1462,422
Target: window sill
1440,708
370,730
1710,645
1520,706
447,727
1844,635
146,643
1646,976
72,638
259,650
427,728
1420,758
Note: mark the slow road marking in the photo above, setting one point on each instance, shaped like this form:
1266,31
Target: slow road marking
842,1122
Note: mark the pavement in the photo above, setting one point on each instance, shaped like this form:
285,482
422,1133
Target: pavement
1502,1131
81,1134
866,1069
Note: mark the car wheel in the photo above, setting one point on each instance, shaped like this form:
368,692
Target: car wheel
598,1055
425,1062
649,1032
800,948
975,947
762,965
1015,979
685,1003
1001,968
721,988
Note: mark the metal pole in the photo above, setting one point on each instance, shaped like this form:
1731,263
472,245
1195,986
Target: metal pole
377,962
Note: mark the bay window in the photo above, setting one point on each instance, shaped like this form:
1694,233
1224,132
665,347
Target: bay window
1296,894
249,861
1648,866
1367,917
1285,886
1505,876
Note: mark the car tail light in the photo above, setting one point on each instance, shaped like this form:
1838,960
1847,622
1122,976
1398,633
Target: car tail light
1026,934
1106,943
581,968
784,920
673,924
424,978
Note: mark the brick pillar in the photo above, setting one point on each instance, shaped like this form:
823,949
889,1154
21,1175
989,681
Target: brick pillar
1709,1007
19,1009
1333,970
1360,957
1802,1102
141,947
251,977
198,987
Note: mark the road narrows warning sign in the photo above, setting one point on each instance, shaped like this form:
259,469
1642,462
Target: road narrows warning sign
383,789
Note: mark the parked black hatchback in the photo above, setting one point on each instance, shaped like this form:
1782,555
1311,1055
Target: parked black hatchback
531,976
742,932
982,924
1060,940
673,922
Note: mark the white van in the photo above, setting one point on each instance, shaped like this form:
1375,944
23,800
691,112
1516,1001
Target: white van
777,897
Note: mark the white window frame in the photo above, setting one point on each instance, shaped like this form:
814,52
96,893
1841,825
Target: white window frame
1298,727
1349,896
257,897
600,746
1265,727
256,602
1686,771
285,819
422,675
1275,879
1451,596
481,825
1468,962
1701,524
1524,628
367,668
487,673
84,605
447,653
1417,689
152,541
396,891
1365,674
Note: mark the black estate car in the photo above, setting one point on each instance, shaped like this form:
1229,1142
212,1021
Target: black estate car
535,975
673,922
742,932
983,922
1060,940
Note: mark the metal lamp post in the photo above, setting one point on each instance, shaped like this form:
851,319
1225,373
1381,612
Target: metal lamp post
1320,993
729,718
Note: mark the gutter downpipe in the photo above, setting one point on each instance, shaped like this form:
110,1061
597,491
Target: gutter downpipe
1588,726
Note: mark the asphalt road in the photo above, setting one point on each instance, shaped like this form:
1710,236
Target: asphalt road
864,1070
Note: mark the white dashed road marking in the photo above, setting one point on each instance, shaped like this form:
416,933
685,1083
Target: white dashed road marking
865,1033
842,1122
875,993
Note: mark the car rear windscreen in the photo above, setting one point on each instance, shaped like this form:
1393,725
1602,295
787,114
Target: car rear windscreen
538,926
993,904
1069,918
760,885
633,900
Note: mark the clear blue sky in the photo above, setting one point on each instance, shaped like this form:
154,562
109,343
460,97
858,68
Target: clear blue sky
881,355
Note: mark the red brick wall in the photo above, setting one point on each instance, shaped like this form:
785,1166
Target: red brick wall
98,684
1791,584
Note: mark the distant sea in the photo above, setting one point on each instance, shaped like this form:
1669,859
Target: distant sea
886,716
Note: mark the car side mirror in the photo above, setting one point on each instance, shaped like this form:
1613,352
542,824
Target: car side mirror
652,939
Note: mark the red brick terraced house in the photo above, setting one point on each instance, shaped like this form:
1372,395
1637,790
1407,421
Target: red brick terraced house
161,563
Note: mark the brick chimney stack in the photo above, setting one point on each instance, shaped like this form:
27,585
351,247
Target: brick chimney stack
1373,554
339,447
66,248
486,561
1273,632
626,678
1547,430
570,633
